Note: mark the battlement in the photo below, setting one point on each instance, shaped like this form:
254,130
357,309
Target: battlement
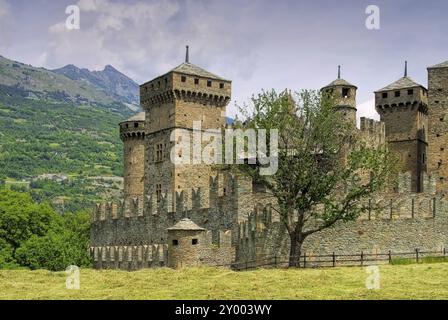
133,128
372,132
411,206
223,188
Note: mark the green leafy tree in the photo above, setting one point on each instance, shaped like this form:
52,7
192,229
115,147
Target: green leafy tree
33,235
20,218
322,165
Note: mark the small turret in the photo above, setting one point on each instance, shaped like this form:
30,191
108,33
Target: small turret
132,133
185,244
344,94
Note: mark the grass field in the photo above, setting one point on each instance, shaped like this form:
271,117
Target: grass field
418,281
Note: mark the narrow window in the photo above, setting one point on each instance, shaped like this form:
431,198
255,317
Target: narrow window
194,242
196,81
209,83
345,92
423,158
397,93
175,242
221,85
159,192
410,92
183,78
135,124
384,95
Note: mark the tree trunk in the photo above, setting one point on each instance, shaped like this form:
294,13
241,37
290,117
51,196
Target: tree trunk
295,250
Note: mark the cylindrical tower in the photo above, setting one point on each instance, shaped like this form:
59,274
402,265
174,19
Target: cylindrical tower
344,94
185,244
132,133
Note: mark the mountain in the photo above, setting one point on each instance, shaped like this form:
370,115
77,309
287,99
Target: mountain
62,122
111,81
109,88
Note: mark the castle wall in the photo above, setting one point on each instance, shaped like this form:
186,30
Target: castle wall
403,224
438,126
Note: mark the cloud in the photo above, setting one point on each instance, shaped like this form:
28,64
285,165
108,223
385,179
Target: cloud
144,39
367,110
6,24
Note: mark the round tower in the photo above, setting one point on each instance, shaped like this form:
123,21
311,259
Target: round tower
403,107
344,94
185,244
132,133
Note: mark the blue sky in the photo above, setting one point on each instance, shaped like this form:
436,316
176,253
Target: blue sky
258,44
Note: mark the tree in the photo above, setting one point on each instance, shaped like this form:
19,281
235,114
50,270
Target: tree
325,172
20,218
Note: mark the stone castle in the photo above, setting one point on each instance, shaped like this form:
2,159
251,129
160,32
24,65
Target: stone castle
184,215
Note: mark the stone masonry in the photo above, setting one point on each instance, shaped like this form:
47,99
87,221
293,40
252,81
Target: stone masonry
188,215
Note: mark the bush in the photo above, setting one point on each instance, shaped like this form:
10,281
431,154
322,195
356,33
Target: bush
7,260
55,251
33,235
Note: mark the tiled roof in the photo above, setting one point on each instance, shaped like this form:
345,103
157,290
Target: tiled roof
440,65
138,117
340,82
402,83
185,224
191,69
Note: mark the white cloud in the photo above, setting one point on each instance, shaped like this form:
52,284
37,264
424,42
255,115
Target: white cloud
6,24
144,39
367,110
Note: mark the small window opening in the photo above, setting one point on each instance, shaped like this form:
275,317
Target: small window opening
194,242
159,192
135,124
397,93
196,81
183,78
209,83
345,92
175,242
384,95
410,92
221,86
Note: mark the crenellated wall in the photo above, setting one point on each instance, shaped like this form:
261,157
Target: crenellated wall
400,223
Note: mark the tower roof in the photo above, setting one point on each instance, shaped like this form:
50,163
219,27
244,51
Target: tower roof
138,117
186,224
402,83
440,65
340,82
191,69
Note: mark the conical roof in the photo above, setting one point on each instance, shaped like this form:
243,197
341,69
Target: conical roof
138,117
340,82
186,224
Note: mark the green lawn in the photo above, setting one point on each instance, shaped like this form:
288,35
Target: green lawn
419,281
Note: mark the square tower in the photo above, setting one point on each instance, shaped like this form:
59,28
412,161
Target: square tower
176,100
438,124
403,107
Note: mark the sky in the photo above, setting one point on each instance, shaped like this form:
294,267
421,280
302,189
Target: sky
258,44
